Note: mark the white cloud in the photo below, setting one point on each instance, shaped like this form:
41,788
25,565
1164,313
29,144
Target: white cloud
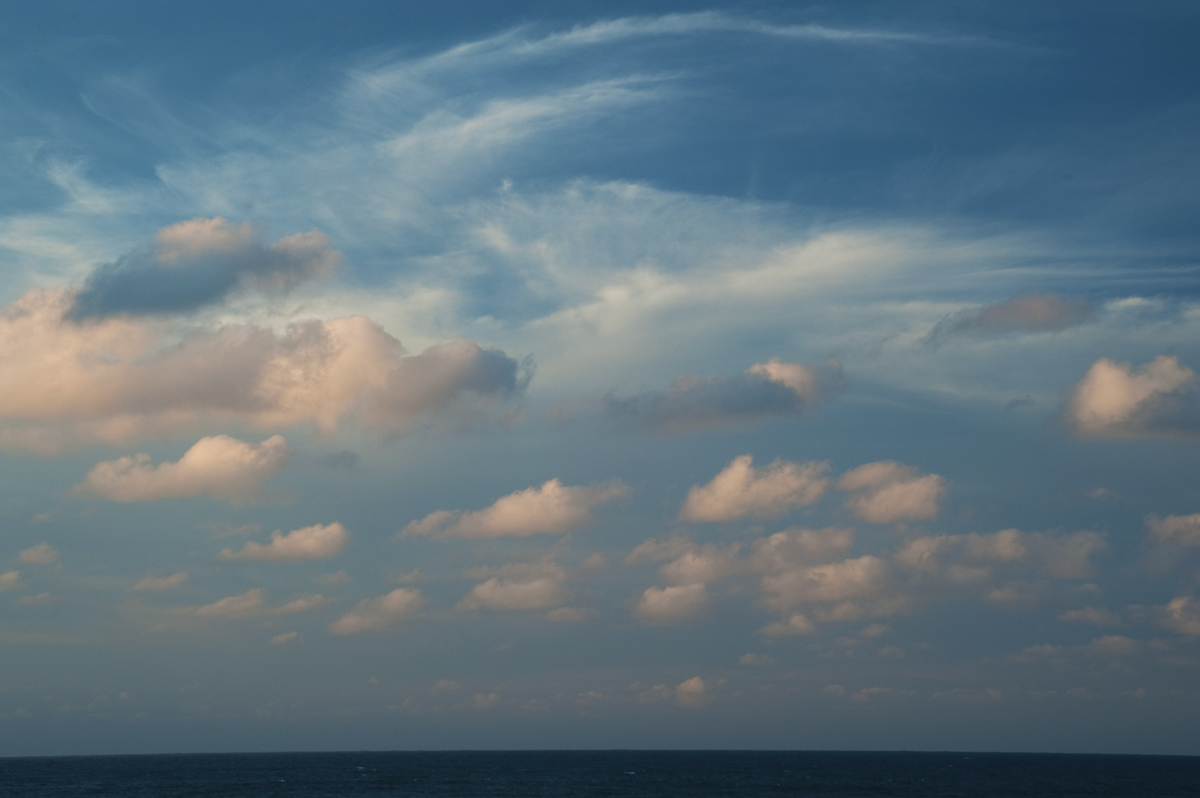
691,692
841,581
379,613
548,509
795,624
41,554
10,580
795,548
252,603
1114,400
1181,529
1181,615
219,466
706,563
887,491
741,491
672,605
162,582
521,588
115,379
972,559
316,542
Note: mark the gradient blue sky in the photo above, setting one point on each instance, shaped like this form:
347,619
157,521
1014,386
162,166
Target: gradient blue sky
552,375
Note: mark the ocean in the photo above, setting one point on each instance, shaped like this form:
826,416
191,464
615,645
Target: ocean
565,774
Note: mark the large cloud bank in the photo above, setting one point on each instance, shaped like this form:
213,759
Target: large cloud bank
69,382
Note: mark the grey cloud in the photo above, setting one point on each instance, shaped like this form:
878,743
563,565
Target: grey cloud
197,263
1026,313
698,403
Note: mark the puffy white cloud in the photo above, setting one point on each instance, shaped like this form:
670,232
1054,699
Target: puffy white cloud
316,542
9,580
253,603
70,383
1181,615
219,466
548,509
199,262
672,605
162,582
1028,313
1113,399
741,490
1181,529
841,581
887,491
691,692
774,388
379,613
519,587
41,554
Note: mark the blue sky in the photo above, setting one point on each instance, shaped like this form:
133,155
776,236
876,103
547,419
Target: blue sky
599,375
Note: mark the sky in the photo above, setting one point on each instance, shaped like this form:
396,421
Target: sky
599,375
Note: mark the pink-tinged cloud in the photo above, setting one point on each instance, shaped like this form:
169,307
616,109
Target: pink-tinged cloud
316,542
379,613
887,491
742,491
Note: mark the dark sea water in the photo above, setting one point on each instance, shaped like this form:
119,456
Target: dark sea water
602,773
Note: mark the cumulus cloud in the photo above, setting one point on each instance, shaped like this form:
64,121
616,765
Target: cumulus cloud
691,692
9,580
70,383
548,509
1028,313
200,262
253,603
842,581
518,587
219,466
1183,530
379,613
1114,400
971,559
774,388
741,491
800,548
41,554
162,582
1181,615
887,491
316,542
672,605
706,563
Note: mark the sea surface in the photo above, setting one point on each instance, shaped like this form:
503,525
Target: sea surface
640,774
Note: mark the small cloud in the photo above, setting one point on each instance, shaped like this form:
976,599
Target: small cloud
1091,615
10,580
316,542
795,624
741,491
446,686
548,509
691,693
774,388
485,702
570,615
887,491
756,659
38,600
1027,313
1114,400
379,613
220,467
41,554
252,603
338,577
1183,530
541,589
672,605
286,637
162,582
1181,615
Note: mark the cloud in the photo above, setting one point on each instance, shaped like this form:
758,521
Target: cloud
668,606
741,491
252,604
71,383
548,509
10,580
286,637
795,624
967,560
37,600
41,554
887,491
706,563
316,542
691,693
1113,400
1181,615
1027,313
1181,529
162,582
1092,615
379,613
841,581
200,262
799,548
221,467
764,390
519,587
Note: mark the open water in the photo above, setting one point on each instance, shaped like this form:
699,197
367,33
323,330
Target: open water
566,774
